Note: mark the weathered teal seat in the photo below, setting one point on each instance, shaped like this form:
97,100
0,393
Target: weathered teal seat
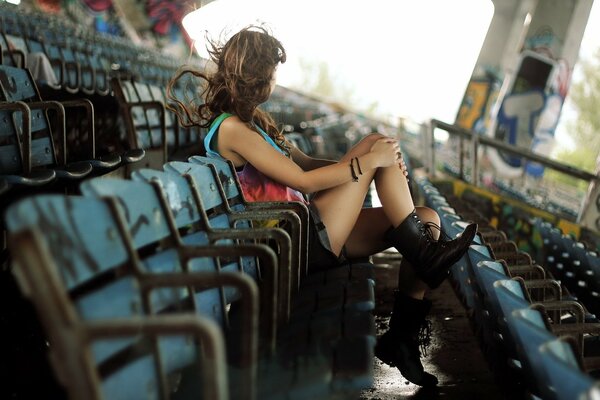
159,245
110,336
71,162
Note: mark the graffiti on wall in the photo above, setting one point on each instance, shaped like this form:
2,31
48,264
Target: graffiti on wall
99,14
98,5
529,111
49,6
474,110
165,16
516,219
157,22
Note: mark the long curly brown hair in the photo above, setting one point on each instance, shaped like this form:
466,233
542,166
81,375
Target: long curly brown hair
245,66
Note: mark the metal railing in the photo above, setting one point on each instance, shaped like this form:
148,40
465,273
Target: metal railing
474,141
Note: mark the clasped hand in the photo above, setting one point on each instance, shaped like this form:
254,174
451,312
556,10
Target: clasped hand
388,154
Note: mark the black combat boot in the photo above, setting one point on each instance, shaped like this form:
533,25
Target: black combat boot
430,258
409,332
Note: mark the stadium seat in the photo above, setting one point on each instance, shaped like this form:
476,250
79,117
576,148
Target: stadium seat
225,171
108,319
148,225
144,118
18,85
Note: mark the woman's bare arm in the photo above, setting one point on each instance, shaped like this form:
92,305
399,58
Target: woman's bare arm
306,162
239,143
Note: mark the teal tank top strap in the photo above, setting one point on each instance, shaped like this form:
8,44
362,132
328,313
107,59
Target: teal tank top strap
214,127
211,133
269,140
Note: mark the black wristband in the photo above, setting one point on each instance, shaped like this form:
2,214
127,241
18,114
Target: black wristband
358,166
354,177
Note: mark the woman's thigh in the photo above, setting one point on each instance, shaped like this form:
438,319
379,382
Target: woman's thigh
340,206
367,236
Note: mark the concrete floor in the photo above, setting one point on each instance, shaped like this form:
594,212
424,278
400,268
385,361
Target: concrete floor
454,355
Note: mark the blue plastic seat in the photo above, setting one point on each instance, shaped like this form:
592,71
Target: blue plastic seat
235,203
18,86
110,320
565,376
144,118
547,361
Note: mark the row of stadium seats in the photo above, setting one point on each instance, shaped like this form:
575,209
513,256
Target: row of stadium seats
36,151
159,285
82,61
536,337
149,125
570,261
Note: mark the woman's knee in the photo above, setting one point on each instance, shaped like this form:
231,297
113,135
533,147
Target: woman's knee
363,146
427,214
371,138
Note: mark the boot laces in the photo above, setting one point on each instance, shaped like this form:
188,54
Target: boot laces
424,336
428,230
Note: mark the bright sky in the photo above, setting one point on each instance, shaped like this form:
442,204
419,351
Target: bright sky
589,45
413,58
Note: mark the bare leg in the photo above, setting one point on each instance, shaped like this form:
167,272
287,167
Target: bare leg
341,206
363,232
367,238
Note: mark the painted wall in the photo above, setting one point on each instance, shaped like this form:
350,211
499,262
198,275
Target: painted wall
513,107
155,23
515,218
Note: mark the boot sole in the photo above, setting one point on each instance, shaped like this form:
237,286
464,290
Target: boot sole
428,382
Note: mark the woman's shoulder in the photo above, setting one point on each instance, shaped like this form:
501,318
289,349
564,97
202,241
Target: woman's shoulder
230,119
233,125
234,130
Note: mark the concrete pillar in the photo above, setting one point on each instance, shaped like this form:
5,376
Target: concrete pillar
521,79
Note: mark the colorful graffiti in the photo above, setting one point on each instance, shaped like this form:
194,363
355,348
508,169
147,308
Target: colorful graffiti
516,124
474,110
516,219
49,6
156,22
530,110
165,16
98,5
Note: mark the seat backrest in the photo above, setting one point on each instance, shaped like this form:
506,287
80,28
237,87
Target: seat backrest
10,148
98,282
486,273
179,196
195,201
17,84
530,333
156,238
204,181
566,377
142,208
509,297
186,90
143,120
154,93
483,250
227,177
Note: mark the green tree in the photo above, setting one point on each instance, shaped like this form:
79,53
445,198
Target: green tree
585,129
